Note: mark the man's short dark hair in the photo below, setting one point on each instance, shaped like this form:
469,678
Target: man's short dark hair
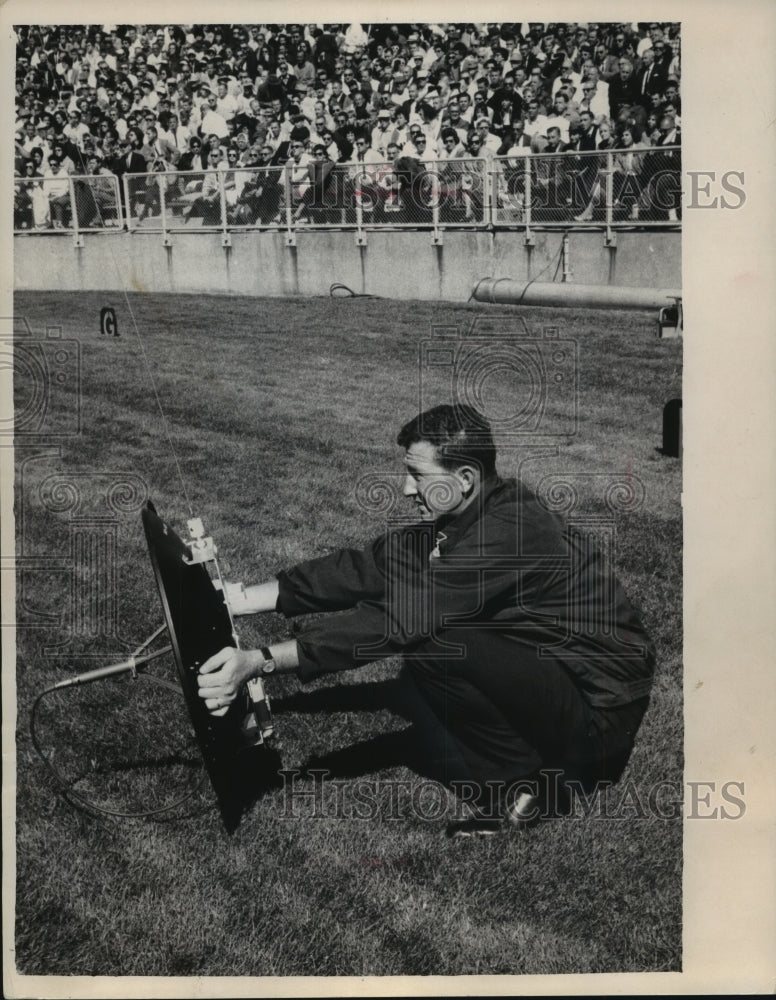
460,434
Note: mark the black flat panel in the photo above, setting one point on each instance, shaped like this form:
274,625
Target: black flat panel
198,623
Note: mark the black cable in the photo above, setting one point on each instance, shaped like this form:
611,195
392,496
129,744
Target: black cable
349,293
80,800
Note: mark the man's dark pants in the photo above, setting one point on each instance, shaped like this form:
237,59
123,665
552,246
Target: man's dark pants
502,711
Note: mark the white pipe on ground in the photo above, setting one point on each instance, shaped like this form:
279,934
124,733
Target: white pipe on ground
507,291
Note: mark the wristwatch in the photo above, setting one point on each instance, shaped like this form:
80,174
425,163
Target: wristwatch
269,664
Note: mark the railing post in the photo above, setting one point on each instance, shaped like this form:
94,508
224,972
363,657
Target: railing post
528,238
78,240
225,238
127,202
119,209
360,234
609,195
166,242
290,234
496,174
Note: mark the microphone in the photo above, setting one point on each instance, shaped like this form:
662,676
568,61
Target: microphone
130,664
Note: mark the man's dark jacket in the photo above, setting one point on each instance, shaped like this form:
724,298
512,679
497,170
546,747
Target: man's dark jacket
506,564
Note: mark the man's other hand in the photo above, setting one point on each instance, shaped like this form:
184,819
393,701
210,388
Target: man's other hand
221,677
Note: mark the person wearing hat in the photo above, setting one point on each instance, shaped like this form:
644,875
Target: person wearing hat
381,133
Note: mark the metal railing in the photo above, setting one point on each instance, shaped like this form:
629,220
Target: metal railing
524,191
611,188
70,203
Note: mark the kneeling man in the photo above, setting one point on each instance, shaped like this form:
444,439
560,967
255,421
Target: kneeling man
523,659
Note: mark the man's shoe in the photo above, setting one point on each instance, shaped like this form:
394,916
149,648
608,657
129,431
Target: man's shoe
475,828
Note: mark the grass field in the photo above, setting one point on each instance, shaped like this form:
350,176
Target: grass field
275,409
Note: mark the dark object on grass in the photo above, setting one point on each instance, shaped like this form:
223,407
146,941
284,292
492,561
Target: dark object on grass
199,626
672,429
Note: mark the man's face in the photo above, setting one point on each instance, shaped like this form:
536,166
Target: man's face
433,489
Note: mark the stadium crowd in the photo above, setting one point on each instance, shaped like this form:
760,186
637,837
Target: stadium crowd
382,106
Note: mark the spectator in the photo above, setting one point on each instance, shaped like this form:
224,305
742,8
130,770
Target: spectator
552,178
651,78
89,86
381,133
95,195
207,204
319,197
628,169
213,123
57,189
623,88
24,189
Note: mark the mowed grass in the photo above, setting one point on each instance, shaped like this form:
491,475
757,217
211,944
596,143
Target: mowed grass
276,409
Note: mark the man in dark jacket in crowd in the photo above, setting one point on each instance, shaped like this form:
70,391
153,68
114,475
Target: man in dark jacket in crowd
524,661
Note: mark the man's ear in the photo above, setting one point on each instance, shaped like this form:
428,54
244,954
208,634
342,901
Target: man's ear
468,477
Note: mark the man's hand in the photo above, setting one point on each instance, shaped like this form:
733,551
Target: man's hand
250,600
221,677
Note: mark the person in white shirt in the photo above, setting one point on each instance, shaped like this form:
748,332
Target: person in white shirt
594,101
57,188
487,138
355,38
75,130
226,103
419,147
381,133
536,125
213,123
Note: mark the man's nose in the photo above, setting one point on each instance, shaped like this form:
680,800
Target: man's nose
408,489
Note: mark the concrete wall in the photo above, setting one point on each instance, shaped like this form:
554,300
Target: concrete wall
391,264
